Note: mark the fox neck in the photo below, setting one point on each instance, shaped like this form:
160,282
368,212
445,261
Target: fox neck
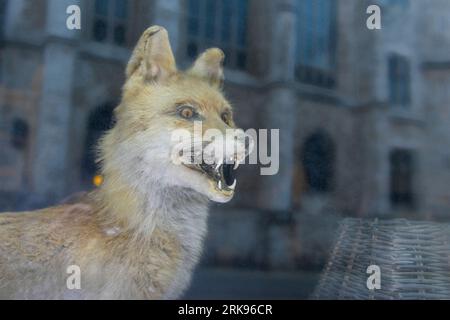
140,209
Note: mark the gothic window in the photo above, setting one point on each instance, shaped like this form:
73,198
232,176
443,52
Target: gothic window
318,162
316,42
110,21
399,80
19,133
401,178
3,4
218,23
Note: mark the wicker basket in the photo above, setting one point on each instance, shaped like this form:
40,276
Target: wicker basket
413,256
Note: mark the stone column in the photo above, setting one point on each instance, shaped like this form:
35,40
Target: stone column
52,141
167,13
280,110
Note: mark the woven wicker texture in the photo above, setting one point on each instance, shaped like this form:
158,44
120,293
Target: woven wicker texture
413,256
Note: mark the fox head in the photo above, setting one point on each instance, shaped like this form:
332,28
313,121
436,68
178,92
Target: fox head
163,119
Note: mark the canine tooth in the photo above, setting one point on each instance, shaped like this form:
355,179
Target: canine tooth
233,185
220,185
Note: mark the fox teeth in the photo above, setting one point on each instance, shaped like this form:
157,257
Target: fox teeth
220,185
236,165
233,185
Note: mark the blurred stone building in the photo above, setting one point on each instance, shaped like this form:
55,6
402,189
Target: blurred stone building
363,114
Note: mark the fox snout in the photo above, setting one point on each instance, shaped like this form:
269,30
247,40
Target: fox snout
225,154
217,154
229,148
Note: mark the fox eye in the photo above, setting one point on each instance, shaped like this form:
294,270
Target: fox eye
226,118
187,112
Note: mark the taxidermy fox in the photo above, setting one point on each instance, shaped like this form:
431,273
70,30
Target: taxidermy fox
139,235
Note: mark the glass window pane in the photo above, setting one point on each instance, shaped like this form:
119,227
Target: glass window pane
210,19
194,8
399,80
322,29
242,22
2,17
226,20
315,42
101,7
120,9
218,23
308,31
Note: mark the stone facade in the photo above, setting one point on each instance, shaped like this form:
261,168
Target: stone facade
53,79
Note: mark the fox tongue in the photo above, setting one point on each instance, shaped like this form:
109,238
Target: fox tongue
228,175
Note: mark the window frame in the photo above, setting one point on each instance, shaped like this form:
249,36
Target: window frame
231,47
3,15
309,74
399,86
110,23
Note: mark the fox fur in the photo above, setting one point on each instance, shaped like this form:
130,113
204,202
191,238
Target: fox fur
140,234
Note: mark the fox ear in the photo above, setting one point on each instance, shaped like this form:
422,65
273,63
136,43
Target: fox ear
153,57
210,66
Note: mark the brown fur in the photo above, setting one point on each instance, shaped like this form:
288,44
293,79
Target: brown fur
52,236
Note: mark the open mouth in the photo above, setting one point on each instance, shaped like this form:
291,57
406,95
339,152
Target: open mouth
222,174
